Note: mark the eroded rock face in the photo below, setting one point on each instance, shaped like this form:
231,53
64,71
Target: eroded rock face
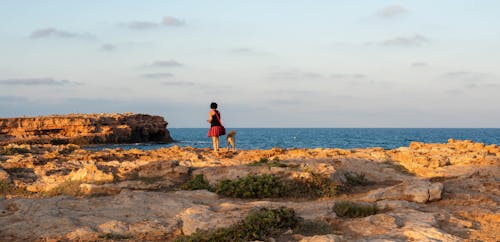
84,129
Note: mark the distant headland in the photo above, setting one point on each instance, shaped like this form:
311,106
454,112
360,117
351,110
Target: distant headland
84,129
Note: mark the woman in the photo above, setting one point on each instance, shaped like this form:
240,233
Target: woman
216,128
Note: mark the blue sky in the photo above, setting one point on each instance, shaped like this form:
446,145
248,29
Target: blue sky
267,63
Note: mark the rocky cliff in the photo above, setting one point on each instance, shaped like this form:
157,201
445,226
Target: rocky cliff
84,129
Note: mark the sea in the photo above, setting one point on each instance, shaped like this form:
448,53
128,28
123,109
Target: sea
344,138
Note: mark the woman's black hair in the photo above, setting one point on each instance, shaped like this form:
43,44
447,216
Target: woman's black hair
213,105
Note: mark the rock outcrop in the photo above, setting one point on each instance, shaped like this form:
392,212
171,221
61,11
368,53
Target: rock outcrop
84,129
65,193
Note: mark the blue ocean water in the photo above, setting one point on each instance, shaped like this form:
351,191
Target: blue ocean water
345,138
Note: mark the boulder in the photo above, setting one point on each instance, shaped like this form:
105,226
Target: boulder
415,190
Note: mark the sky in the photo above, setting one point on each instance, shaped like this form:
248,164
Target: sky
280,63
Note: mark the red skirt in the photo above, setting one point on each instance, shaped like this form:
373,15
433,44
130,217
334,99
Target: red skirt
216,131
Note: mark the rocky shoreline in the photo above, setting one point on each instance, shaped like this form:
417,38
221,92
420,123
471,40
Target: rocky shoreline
424,192
84,129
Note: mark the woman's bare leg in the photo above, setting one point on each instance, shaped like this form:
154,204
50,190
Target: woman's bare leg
213,142
216,144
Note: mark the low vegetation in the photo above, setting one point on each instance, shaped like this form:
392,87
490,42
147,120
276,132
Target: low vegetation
313,227
348,209
257,225
316,185
267,186
252,186
275,162
352,179
13,150
7,188
197,183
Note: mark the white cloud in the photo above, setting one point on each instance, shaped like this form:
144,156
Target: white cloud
472,80
167,21
403,41
37,82
391,11
295,75
179,83
158,75
347,76
166,63
141,25
108,47
52,32
467,76
419,64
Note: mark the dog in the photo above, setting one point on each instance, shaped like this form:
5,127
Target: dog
231,140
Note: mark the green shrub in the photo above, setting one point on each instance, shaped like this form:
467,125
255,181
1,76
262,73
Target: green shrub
197,183
352,210
11,150
275,162
251,186
315,186
313,227
356,179
267,186
262,161
7,188
323,186
352,179
257,225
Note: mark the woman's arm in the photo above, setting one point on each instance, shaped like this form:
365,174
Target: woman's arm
210,114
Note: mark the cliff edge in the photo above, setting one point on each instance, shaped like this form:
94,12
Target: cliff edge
84,129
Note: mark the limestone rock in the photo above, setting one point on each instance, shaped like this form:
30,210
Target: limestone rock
113,227
375,225
90,173
4,176
163,168
419,191
427,233
197,217
82,234
85,129
322,238
106,189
